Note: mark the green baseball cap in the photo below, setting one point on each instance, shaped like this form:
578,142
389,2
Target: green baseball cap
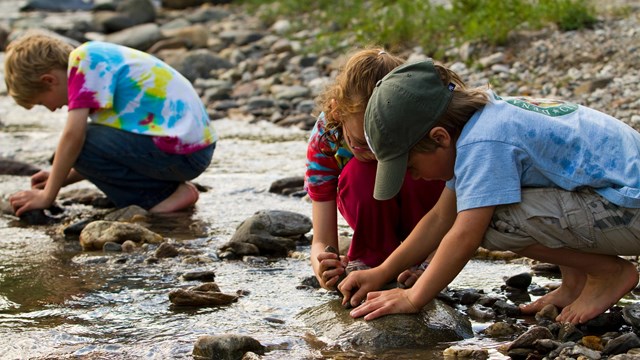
404,106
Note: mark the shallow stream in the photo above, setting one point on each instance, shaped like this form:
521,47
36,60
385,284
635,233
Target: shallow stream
57,301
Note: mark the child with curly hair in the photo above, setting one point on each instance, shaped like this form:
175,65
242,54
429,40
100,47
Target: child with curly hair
340,174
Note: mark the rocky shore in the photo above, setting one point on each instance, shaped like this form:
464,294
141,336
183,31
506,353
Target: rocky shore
247,70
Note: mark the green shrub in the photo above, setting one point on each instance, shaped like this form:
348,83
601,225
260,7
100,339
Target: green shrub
433,25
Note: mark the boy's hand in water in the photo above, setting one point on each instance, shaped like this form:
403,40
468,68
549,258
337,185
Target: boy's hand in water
332,267
380,303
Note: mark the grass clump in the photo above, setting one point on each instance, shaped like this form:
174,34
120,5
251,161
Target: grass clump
434,25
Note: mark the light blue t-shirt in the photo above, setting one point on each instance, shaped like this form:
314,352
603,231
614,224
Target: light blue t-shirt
516,142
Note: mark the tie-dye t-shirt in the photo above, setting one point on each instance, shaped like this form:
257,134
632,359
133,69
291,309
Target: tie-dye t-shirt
321,178
134,91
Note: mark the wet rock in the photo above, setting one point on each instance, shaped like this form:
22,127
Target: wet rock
555,354
207,275
621,344
166,250
520,281
508,309
206,287
73,231
545,346
273,232
310,282
548,312
466,352
579,352
608,321
631,315
188,297
435,323
37,217
502,329
17,168
287,185
225,347
132,213
255,260
527,340
469,296
129,246
592,342
569,333
192,259
111,247
95,234
481,313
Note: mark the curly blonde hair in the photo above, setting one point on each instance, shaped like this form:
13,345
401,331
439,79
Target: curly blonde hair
352,88
27,59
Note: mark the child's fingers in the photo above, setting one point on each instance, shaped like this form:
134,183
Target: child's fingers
331,283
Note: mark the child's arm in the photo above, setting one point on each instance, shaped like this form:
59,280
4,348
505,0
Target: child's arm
39,179
455,250
325,233
422,241
69,147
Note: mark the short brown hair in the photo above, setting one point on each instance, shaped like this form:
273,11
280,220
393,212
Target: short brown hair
464,103
27,59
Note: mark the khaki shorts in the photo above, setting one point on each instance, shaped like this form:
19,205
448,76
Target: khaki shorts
581,220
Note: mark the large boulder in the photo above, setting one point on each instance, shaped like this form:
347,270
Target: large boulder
436,323
270,233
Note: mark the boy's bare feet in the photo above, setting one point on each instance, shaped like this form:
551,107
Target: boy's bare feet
573,281
600,292
185,195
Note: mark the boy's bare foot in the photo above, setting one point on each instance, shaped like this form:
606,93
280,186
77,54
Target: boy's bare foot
573,281
185,195
600,293
559,297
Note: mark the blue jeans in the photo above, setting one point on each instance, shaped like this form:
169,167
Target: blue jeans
131,170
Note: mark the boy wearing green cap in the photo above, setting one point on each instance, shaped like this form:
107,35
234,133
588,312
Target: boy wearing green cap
547,179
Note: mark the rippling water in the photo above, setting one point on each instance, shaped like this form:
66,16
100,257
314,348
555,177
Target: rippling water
57,301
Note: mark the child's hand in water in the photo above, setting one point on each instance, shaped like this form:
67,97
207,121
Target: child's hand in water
332,267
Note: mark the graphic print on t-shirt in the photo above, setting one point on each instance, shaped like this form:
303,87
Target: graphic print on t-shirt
549,107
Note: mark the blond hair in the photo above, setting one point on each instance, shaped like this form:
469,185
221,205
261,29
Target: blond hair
464,103
27,59
353,86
